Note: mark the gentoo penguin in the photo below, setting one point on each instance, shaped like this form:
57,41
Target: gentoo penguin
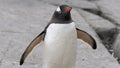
60,40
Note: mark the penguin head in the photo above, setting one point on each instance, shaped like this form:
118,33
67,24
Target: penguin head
62,13
63,9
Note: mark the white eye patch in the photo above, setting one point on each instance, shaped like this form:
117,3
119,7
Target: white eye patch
58,9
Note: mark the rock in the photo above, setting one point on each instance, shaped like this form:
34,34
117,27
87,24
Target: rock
77,3
116,47
108,36
106,30
110,9
96,21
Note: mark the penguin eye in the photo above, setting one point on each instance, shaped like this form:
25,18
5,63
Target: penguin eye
58,10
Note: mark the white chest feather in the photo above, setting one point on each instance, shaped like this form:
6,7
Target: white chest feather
60,46
59,35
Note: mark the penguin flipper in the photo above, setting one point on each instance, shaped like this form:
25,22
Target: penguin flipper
37,40
87,38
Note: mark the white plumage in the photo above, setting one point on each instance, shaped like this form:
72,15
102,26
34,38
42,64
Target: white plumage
58,9
60,46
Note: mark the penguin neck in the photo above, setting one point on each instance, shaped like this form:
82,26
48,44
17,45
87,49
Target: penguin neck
61,18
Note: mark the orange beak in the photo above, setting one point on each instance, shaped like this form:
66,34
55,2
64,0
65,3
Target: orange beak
68,9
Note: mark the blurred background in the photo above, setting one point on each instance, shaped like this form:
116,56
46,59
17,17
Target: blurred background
22,20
